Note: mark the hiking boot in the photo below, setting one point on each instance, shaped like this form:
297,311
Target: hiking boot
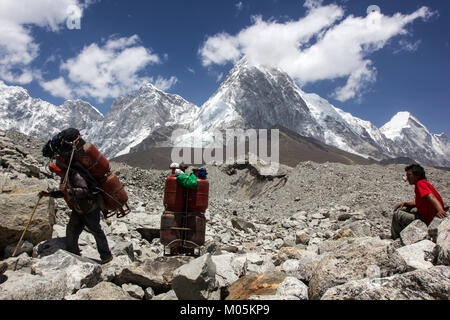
105,261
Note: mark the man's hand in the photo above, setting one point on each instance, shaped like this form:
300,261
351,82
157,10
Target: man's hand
44,194
64,188
399,206
441,214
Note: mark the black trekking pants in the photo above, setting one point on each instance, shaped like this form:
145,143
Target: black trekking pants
76,225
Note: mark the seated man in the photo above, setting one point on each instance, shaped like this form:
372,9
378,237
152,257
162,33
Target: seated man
427,205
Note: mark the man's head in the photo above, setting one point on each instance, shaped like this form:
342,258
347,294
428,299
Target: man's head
414,173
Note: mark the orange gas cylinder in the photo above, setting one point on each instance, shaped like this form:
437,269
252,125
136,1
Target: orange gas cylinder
171,223
198,199
93,160
59,170
113,192
174,195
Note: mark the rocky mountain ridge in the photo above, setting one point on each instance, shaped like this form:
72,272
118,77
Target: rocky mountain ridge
316,231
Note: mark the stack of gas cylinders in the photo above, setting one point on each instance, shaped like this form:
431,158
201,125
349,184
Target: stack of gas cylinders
183,222
111,189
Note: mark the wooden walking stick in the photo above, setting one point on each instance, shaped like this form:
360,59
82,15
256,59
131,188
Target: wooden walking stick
29,221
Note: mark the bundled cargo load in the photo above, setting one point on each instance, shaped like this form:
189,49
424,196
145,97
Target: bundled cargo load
70,151
183,223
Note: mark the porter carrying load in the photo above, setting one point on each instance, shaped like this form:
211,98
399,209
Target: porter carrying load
71,152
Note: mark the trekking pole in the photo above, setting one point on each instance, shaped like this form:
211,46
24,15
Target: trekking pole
68,168
29,221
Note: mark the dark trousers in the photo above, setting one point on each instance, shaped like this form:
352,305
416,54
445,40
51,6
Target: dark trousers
76,225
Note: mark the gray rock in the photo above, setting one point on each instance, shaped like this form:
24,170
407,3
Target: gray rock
352,262
257,263
24,286
170,295
16,208
197,280
80,272
429,284
123,248
21,263
133,290
156,273
149,293
25,246
102,291
241,224
293,287
433,229
112,270
443,242
416,231
49,247
225,273
419,255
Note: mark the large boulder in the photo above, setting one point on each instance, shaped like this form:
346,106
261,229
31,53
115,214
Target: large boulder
228,268
102,291
293,287
16,208
25,286
443,242
416,231
80,272
429,284
302,268
155,273
354,261
197,280
419,255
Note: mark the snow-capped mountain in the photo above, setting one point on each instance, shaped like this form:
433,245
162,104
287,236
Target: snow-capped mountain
133,118
41,119
257,97
412,139
262,97
129,121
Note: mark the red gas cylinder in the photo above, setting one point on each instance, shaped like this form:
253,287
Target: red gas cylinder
93,160
113,192
171,223
59,170
195,236
198,199
174,195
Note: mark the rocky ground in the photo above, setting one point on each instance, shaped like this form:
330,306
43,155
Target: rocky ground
316,231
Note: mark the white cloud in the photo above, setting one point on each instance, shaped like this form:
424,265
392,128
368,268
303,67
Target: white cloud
18,48
219,77
322,45
165,84
58,88
239,6
407,46
107,71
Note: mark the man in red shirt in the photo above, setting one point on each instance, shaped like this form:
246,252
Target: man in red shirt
427,204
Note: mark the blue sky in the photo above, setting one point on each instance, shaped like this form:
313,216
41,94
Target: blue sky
98,50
